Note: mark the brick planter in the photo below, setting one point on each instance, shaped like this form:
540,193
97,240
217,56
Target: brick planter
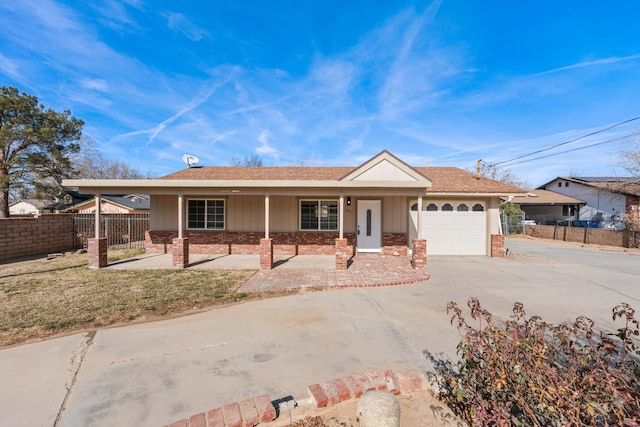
497,245
180,252
97,249
419,253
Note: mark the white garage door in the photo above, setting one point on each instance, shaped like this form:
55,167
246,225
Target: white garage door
452,227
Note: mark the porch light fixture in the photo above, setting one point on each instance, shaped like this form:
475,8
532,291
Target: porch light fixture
348,200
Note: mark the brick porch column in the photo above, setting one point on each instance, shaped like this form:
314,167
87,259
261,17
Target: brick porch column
97,249
180,252
497,245
266,254
342,254
419,253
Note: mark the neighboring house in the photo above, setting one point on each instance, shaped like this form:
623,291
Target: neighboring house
28,207
379,206
547,207
607,199
113,204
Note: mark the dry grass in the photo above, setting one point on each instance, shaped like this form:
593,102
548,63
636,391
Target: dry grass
40,298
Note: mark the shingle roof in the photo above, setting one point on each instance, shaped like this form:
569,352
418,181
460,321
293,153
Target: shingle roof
444,179
623,185
263,173
545,197
456,180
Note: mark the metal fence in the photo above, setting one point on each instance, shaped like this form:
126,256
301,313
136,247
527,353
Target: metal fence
123,231
513,224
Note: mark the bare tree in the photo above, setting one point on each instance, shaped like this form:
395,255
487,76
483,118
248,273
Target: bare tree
90,164
501,174
252,161
630,159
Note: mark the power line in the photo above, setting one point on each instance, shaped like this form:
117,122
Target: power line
567,142
573,149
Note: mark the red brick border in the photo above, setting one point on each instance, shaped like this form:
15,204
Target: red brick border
252,412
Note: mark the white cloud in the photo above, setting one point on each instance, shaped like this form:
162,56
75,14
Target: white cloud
595,62
179,22
8,67
95,84
266,148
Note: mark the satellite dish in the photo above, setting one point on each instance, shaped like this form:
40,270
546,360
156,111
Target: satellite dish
190,160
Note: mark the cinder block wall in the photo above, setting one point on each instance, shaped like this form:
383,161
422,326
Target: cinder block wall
30,236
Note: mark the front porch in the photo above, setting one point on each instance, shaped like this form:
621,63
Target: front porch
297,272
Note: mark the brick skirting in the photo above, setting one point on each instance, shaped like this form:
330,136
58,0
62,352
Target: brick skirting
248,243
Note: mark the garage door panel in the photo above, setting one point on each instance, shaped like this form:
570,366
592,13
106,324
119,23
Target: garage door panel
453,233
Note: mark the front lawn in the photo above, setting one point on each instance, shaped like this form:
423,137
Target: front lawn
45,297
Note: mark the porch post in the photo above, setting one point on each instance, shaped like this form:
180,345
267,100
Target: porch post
97,247
266,216
341,220
180,245
98,203
180,220
419,216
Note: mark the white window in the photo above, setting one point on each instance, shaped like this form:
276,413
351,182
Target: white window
318,215
205,214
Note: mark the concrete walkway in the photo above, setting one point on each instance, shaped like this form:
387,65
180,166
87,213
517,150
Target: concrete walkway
155,373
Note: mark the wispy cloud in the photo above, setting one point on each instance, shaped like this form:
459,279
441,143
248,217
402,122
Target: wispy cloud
180,23
266,148
592,63
8,66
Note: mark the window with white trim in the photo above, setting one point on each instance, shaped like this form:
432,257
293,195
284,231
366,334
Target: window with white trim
318,215
205,214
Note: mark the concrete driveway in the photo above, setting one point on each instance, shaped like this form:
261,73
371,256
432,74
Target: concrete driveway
156,373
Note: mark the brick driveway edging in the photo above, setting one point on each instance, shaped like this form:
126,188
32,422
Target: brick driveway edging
368,270
261,409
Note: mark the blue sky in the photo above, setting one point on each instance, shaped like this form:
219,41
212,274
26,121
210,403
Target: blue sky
332,82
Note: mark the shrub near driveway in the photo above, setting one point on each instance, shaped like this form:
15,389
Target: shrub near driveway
41,298
531,373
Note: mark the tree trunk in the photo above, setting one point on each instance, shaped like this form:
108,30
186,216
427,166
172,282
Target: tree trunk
4,194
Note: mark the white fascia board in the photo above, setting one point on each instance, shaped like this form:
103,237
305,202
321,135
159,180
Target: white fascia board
106,186
446,194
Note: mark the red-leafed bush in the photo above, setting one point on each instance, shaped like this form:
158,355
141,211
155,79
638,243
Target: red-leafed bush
531,373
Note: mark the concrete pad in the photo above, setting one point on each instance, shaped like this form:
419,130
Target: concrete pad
156,373
35,379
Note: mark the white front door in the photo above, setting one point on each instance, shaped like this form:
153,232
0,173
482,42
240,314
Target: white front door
369,233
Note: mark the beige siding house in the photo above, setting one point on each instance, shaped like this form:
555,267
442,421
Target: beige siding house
382,206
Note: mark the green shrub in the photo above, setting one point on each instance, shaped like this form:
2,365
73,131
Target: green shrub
532,373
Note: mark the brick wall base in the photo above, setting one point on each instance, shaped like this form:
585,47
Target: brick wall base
266,254
395,244
97,249
180,252
419,253
247,243
342,254
497,245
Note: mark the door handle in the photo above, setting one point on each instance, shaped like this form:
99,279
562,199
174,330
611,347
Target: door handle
358,230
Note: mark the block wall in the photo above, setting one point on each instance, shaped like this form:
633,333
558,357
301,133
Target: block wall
31,236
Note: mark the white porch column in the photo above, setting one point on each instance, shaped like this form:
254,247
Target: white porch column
180,210
341,220
98,200
420,216
266,216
